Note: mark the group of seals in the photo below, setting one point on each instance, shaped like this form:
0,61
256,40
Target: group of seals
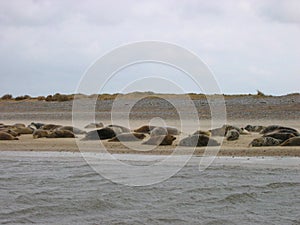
276,135
55,131
11,132
273,135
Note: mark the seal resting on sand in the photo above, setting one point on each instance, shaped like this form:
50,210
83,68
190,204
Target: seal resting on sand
101,134
50,126
72,129
39,133
203,132
254,128
198,140
128,137
264,141
7,136
232,135
36,125
158,131
9,131
23,130
294,141
279,135
272,128
61,134
160,140
147,129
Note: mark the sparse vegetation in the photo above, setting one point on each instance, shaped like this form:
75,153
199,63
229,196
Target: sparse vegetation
41,98
7,97
105,96
23,97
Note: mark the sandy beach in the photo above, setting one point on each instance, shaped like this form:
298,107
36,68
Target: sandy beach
241,110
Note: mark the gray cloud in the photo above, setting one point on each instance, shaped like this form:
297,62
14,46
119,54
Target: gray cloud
248,44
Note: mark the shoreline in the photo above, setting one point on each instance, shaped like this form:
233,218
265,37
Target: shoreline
236,148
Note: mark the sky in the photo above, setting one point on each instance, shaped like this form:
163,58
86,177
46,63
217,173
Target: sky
47,46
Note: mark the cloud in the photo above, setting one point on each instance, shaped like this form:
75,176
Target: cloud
49,44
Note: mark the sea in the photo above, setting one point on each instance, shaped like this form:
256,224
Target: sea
63,188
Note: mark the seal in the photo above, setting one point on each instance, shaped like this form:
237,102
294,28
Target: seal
264,141
39,133
198,140
272,128
94,125
9,131
72,129
50,126
123,129
7,136
294,141
22,130
19,125
128,137
254,128
100,134
279,135
160,140
232,135
61,134
157,131
36,125
221,131
147,129
203,132
244,131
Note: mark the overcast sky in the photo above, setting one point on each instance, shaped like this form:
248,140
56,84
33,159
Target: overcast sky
46,46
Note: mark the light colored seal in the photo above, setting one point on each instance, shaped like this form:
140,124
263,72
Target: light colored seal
264,141
232,135
295,141
199,140
94,125
9,131
23,130
7,136
128,137
244,131
202,132
157,131
160,140
61,134
72,129
147,129
254,128
221,131
39,133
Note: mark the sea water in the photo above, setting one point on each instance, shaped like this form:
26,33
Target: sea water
61,188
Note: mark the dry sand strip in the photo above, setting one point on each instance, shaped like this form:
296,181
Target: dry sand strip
235,148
